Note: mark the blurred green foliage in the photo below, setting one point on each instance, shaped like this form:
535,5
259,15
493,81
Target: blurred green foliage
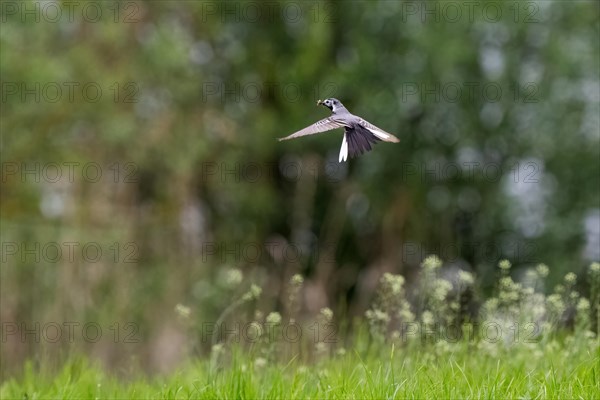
498,116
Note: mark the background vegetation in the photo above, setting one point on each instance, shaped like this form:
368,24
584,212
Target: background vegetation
163,157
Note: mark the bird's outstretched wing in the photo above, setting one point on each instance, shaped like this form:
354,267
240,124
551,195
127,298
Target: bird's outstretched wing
380,133
323,125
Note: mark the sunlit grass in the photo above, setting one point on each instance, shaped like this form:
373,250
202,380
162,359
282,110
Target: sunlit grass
565,369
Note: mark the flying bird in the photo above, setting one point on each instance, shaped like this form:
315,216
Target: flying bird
359,134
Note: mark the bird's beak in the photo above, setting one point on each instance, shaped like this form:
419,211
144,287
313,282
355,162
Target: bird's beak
319,102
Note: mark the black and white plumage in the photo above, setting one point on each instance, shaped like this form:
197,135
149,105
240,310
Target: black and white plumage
359,135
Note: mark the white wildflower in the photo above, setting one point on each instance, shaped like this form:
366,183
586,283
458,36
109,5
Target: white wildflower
465,277
590,334
253,293
327,314
394,282
183,311
542,270
274,318
427,318
441,289
217,348
432,263
297,280
321,347
570,278
574,295
555,301
505,265
583,305
233,277
406,315
260,363
377,315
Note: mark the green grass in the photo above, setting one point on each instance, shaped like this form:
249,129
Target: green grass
564,368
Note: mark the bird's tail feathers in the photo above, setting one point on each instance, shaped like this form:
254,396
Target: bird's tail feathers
360,140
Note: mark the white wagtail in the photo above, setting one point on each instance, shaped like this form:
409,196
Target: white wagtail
358,133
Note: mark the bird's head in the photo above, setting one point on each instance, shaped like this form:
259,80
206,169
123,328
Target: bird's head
331,103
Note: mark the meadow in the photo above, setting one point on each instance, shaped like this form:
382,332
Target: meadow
520,343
